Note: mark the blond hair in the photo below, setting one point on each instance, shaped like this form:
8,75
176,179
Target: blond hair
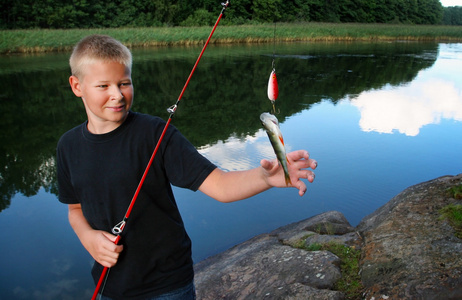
98,48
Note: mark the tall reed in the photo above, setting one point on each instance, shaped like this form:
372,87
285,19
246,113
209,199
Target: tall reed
40,40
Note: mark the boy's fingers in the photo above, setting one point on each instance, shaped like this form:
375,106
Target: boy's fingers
298,154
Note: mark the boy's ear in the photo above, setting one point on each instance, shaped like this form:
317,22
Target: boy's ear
75,85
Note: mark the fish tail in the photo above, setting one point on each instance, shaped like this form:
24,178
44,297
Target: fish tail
286,174
287,178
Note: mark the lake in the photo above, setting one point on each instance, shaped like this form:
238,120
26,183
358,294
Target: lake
378,117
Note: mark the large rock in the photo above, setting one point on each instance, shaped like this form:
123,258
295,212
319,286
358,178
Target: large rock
408,252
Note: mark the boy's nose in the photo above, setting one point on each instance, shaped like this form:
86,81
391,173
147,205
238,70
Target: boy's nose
116,94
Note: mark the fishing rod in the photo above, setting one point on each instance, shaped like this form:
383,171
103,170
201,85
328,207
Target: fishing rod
117,230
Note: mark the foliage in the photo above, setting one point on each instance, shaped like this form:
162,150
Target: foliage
65,14
452,15
453,214
201,17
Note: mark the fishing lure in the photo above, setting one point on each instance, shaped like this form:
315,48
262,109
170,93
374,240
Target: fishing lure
273,89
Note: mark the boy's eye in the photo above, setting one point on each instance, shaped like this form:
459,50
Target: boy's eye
102,86
126,84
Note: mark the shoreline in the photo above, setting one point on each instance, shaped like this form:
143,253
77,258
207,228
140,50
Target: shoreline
59,40
386,256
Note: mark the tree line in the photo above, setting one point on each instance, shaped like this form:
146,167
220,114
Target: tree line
67,14
452,15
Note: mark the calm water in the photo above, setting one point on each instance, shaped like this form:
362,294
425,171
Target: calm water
377,117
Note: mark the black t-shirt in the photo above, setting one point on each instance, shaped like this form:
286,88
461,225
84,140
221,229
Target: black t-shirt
102,172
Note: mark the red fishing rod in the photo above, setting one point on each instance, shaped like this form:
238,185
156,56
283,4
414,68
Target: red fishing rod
117,230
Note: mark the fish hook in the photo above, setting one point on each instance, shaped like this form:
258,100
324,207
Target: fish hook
273,111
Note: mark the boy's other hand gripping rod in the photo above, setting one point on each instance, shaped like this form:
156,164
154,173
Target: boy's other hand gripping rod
117,230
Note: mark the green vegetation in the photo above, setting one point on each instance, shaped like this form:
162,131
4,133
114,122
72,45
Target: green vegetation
42,40
350,282
455,192
39,26
452,15
453,212
69,14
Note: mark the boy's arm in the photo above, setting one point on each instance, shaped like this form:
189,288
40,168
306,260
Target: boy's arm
99,244
238,185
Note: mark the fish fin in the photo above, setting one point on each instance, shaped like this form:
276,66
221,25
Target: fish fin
282,140
287,159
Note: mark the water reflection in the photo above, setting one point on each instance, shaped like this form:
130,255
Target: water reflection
332,97
234,154
238,154
224,99
407,109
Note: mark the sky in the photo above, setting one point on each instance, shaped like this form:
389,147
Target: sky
451,2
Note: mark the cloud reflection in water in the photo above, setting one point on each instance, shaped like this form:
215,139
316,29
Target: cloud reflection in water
408,108
238,154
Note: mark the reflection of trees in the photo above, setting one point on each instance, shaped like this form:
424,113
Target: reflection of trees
228,93
36,109
225,97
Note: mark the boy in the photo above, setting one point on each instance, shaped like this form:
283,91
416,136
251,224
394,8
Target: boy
101,162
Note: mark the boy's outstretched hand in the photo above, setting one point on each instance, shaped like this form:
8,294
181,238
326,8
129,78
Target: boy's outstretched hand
299,163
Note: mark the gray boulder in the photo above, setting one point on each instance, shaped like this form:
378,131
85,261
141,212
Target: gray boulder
409,251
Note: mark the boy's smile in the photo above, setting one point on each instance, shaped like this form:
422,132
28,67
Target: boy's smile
107,92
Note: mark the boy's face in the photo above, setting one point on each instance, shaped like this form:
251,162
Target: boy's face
107,93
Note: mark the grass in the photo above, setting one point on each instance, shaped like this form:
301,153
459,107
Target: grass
455,192
44,40
350,282
453,212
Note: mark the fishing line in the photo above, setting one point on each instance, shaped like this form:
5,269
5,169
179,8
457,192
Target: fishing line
273,64
117,230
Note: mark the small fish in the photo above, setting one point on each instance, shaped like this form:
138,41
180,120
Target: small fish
271,125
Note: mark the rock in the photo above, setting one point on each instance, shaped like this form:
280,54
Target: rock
407,252
331,222
268,267
352,239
